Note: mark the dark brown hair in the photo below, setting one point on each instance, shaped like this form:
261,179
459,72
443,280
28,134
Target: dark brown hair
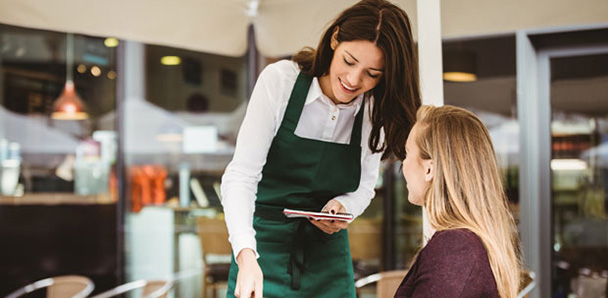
397,95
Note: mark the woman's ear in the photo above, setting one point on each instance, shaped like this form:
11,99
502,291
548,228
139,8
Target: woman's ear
334,38
428,170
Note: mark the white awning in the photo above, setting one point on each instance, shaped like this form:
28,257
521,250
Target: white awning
282,26
215,26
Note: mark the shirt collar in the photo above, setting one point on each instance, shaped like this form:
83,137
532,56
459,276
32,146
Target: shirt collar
315,93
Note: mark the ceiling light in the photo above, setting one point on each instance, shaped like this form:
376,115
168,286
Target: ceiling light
96,71
459,77
170,60
111,75
69,106
111,42
459,66
81,68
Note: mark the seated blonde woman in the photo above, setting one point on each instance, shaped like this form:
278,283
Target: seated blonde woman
451,169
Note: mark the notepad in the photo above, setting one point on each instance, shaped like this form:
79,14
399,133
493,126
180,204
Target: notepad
317,215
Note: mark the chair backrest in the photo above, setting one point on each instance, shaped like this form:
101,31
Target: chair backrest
213,235
387,282
363,232
68,286
528,282
156,289
150,289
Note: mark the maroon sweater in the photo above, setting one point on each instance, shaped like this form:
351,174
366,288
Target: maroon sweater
454,263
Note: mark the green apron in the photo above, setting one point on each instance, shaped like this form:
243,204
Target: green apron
296,258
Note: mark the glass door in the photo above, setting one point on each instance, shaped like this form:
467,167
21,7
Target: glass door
562,95
578,94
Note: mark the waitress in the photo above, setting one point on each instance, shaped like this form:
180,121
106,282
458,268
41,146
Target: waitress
312,140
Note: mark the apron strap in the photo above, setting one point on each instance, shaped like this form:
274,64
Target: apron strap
296,102
355,137
296,259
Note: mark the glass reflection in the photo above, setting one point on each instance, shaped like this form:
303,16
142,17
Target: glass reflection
50,152
58,185
179,137
579,171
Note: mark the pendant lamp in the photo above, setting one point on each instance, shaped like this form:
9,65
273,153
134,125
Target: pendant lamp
459,66
69,106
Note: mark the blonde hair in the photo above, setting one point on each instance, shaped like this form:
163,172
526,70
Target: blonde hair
467,190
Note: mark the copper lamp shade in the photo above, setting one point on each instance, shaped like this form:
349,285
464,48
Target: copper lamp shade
69,105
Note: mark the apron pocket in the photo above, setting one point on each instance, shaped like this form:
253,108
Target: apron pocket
274,261
328,267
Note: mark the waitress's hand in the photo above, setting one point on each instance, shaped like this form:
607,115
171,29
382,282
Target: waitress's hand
331,226
249,281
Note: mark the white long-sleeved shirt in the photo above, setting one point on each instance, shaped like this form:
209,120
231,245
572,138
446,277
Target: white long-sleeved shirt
321,119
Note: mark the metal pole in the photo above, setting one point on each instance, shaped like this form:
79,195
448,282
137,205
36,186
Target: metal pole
130,85
121,176
429,51
253,58
388,222
431,68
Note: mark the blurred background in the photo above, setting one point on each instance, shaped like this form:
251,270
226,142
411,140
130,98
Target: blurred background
117,120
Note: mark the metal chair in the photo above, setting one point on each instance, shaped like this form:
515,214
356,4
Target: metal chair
387,282
151,289
68,286
530,282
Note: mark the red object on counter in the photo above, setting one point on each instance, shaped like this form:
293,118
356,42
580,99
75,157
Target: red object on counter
147,186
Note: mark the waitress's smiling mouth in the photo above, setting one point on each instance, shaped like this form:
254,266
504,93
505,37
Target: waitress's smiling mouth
346,88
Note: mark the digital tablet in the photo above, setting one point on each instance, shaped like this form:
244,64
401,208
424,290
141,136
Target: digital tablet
291,213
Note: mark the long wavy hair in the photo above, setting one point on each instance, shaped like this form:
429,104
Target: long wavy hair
467,190
397,95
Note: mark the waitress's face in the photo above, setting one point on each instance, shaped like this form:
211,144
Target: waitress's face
356,67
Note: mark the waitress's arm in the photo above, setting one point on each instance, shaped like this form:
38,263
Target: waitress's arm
240,180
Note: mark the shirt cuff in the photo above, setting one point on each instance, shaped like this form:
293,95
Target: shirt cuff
343,199
245,242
